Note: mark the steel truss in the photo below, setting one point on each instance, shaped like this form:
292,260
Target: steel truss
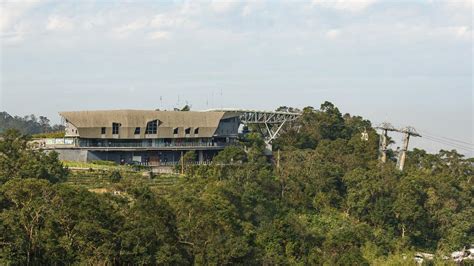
407,133
272,122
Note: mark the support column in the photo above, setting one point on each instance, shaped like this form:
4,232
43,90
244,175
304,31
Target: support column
407,133
182,163
385,127
403,153
200,156
383,148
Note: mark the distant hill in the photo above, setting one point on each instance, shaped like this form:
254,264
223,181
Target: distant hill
28,125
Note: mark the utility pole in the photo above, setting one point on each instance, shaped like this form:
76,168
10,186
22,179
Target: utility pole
385,127
407,132
182,163
278,160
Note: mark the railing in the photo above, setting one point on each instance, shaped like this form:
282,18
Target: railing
155,145
174,163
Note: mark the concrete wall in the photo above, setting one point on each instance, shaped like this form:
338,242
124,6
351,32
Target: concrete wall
70,129
228,127
72,155
78,155
129,156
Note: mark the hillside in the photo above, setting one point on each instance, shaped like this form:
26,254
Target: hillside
28,125
325,198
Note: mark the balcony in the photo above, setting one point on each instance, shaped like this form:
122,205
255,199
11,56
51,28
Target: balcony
152,145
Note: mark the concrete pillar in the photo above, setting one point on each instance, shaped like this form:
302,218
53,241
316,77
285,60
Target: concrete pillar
200,156
403,153
268,149
384,146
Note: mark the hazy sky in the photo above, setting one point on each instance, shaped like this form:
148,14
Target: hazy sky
406,62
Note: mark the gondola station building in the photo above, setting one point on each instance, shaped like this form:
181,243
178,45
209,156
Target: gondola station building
144,136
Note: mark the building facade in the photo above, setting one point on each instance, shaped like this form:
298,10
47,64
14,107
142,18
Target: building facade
143,136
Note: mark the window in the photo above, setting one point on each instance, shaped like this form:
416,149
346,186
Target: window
115,128
137,131
196,131
151,127
175,131
102,131
187,131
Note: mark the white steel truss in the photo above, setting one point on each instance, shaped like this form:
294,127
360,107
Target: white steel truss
272,121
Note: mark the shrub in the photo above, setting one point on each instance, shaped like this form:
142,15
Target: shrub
115,176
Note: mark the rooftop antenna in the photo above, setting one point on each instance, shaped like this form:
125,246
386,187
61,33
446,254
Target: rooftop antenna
221,99
212,99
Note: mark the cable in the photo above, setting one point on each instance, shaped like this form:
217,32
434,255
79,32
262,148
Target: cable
458,144
454,147
459,141
450,139
446,142
450,144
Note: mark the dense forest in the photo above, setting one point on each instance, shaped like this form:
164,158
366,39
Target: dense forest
325,199
28,125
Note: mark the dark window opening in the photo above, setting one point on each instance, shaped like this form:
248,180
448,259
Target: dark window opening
137,131
151,127
175,131
102,131
196,131
115,128
187,131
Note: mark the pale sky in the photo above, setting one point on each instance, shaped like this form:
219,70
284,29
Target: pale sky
405,62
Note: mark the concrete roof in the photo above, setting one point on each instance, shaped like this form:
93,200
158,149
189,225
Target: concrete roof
89,123
139,118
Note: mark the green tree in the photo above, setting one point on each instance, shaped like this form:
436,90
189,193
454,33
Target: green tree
415,223
115,176
82,228
306,181
25,209
27,125
19,160
149,235
370,195
210,223
289,240
230,155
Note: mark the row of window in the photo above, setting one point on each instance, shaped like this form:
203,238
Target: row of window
151,128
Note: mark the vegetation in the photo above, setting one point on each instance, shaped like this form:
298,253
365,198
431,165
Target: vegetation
30,125
115,176
58,134
17,160
326,200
